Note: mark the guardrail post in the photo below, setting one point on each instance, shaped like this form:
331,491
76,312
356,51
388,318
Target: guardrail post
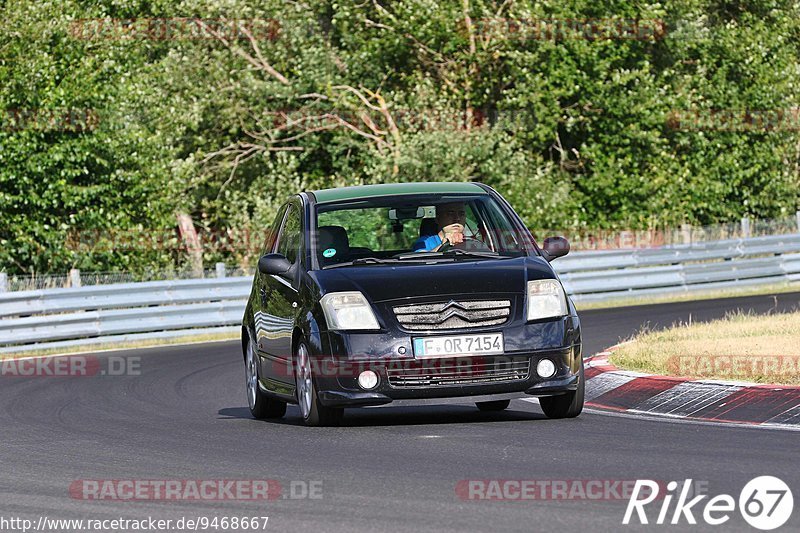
220,270
745,228
686,233
192,241
798,220
3,282
627,239
74,277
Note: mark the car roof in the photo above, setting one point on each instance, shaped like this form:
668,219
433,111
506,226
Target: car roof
394,189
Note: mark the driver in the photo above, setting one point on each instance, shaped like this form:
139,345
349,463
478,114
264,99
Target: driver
450,218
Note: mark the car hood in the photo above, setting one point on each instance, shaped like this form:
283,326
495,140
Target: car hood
381,283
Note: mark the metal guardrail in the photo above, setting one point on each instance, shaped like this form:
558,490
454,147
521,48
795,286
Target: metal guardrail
54,318
599,276
65,318
121,295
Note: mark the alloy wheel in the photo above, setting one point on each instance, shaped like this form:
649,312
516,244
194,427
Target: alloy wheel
304,388
251,373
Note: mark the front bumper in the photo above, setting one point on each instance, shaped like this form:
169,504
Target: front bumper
414,384
373,399
390,355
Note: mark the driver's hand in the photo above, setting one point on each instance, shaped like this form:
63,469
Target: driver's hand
454,233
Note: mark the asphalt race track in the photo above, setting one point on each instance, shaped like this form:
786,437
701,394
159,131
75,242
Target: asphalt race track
391,469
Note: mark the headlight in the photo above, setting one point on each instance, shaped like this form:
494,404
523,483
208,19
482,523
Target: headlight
546,299
348,310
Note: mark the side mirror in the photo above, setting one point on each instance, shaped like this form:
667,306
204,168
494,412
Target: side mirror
276,264
555,247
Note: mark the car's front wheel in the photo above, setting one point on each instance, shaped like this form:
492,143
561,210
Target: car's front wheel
313,412
567,405
261,405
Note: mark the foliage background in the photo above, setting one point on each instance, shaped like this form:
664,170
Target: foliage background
576,133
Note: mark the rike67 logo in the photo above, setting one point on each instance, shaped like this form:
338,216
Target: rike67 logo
765,503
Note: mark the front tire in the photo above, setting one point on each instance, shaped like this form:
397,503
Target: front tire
261,406
567,405
312,411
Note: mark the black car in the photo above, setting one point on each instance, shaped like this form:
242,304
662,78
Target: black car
403,294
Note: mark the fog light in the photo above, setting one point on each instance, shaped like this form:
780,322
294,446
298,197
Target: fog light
546,368
368,379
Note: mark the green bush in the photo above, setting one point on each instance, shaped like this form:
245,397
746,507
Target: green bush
575,132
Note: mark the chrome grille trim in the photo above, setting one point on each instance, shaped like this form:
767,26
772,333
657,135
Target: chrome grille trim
453,314
456,373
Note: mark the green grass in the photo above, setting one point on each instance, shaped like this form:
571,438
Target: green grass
739,347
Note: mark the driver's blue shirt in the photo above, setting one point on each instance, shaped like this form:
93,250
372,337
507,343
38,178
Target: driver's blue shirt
427,243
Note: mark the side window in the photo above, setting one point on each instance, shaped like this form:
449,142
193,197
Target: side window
501,230
272,232
471,218
289,241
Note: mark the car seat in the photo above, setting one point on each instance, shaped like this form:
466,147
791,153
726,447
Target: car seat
334,245
428,226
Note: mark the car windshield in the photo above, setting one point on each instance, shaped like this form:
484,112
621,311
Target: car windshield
414,228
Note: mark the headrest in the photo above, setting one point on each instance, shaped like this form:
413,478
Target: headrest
333,243
428,226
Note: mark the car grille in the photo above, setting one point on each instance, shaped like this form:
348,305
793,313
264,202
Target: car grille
449,372
453,315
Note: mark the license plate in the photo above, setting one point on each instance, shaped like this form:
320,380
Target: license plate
485,344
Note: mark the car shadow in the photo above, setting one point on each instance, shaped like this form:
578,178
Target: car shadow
234,412
432,415
400,416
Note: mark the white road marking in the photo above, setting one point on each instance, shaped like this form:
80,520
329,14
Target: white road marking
605,382
687,398
657,417
785,417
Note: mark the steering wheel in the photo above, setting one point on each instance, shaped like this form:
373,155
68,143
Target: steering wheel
470,244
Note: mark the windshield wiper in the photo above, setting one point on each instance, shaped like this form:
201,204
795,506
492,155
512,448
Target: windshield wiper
452,252
362,261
